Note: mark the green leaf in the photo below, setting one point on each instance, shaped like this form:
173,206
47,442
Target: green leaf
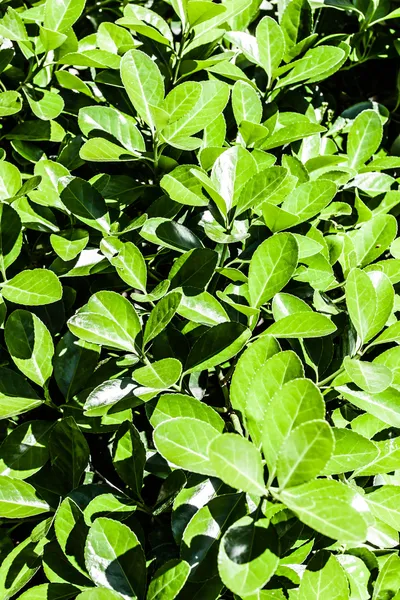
369,298
284,305
60,16
277,370
86,203
302,325
159,375
48,107
295,403
18,499
387,582
69,244
161,315
10,236
109,120
12,26
110,551
57,591
30,345
10,180
107,319
111,396
368,376
246,103
238,463
271,185
16,395
248,556
183,187
384,505
230,172
304,453
144,85
10,103
71,531
202,535
249,365
129,457
308,199
33,287
352,451
99,593
384,405
364,138
24,451
201,308
271,267
330,507
171,406
291,133
324,577
131,266
212,101
373,238
271,44
217,345
184,442
317,64
20,565
69,453
74,362
168,580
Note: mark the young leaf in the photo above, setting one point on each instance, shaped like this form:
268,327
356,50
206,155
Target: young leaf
271,44
144,85
364,138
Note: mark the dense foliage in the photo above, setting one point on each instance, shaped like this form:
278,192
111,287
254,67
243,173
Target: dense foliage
200,369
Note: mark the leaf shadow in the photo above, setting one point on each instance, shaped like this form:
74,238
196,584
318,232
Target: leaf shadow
27,558
132,563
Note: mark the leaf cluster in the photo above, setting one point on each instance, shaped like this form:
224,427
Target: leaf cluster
199,298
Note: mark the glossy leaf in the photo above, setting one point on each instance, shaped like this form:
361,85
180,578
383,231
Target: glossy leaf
30,345
271,267
330,507
238,463
184,442
109,563
107,319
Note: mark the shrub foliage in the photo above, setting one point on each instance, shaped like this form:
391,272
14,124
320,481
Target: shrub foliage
200,369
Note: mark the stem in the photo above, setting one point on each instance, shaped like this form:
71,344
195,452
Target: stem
330,377
48,399
308,360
